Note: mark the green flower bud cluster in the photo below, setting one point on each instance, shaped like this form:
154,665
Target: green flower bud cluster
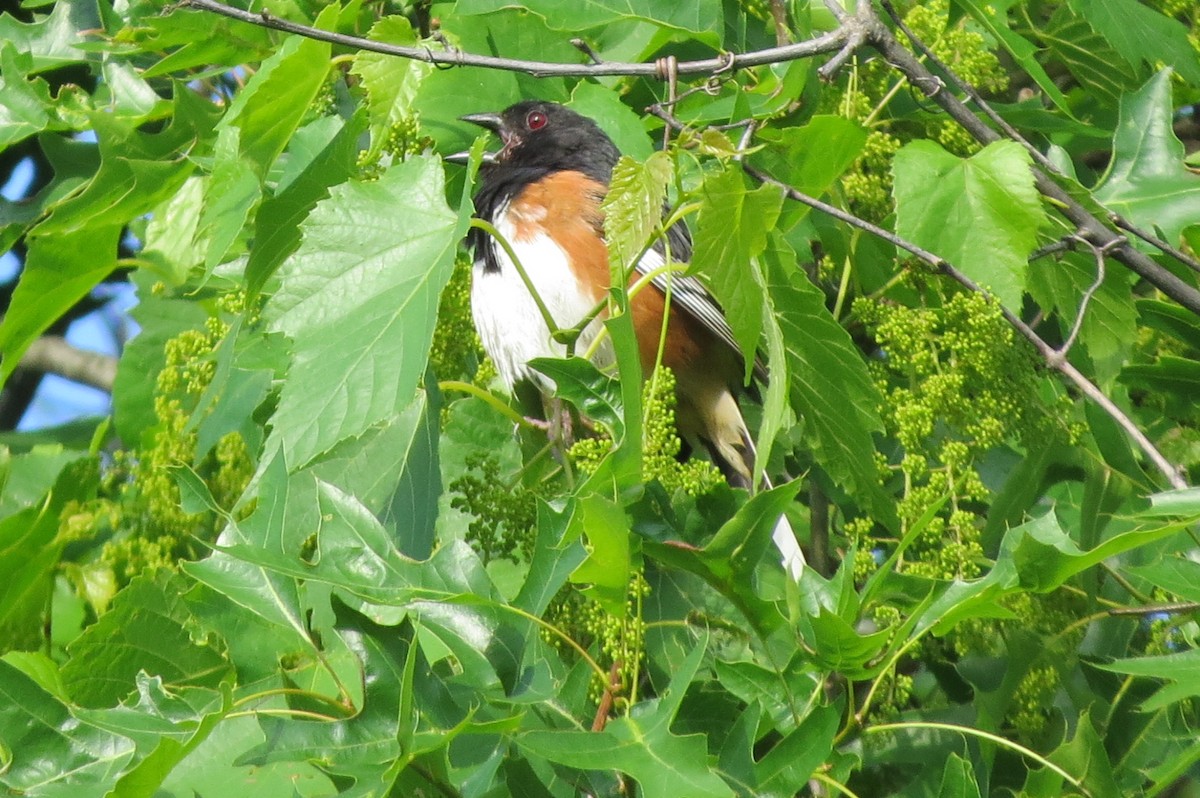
1031,702
1050,617
612,639
957,384
403,139
964,50
660,444
868,186
456,352
505,517
137,512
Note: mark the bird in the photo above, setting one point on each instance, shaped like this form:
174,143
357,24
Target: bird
542,192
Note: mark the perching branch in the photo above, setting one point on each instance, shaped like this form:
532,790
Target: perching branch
51,354
826,43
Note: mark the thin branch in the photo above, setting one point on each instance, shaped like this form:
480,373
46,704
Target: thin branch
826,43
1177,608
51,354
1098,253
1089,227
1048,353
1156,242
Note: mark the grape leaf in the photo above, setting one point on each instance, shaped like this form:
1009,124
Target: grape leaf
980,213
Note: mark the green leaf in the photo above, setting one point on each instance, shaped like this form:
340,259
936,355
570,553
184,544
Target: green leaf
59,271
1085,757
150,615
607,569
641,745
391,83
1181,503
1141,34
981,213
731,233
72,757
814,156
23,103
830,387
276,98
231,193
1174,574
614,117
633,207
52,39
1109,320
359,300
1037,556
958,779
320,156
1147,182
1087,55
29,555
595,394
993,17
787,767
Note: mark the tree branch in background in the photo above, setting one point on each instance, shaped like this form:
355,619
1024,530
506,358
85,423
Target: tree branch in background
51,354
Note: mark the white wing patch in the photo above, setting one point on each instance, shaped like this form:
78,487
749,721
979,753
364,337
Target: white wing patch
510,325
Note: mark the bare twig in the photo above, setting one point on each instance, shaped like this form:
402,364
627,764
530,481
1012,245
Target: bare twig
826,43
1098,253
1176,608
52,354
586,49
779,16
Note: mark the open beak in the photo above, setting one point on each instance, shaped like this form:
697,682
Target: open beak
492,122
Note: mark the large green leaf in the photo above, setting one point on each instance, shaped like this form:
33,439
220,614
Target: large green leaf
1147,182
829,386
52,39
148,616
359,300
47,750
980,213
731,233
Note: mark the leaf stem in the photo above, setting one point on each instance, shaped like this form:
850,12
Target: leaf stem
486,396
994,738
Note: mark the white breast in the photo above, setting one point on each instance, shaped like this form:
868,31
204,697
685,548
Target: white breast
510,325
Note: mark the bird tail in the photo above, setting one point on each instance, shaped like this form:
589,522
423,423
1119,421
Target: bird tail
733,450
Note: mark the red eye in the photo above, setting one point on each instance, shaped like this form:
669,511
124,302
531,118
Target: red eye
536,120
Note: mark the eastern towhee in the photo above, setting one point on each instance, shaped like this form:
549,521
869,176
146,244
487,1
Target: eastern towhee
542,192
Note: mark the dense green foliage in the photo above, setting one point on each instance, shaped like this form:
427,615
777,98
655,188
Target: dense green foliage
317,550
